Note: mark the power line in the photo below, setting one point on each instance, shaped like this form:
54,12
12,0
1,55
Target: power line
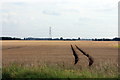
50,32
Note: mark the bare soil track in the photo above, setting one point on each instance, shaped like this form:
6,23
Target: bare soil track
75,55
88,56
90,59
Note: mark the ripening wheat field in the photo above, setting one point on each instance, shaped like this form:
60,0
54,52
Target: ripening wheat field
60,55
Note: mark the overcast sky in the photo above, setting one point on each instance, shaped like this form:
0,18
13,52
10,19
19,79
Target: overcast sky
68,18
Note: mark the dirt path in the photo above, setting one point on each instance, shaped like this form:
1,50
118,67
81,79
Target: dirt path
75,54
90,58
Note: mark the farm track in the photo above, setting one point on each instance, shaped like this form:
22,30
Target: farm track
75,55
91,60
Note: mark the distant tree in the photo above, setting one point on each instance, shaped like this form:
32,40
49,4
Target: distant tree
61,38
95,39
10,38
116,39
78,38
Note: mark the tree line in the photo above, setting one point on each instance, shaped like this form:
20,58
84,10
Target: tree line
9,38
61,38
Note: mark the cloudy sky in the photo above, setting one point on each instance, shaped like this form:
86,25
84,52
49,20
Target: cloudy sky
68,18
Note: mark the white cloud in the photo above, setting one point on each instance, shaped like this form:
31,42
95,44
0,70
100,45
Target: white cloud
50,12
34,17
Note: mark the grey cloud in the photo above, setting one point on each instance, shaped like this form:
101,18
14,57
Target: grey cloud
51,13
105,9
72,10
18,3
84,19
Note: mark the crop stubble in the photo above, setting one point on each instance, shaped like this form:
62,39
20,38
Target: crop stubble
58,52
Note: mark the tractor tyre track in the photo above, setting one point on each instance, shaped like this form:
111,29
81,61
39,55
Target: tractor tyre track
91,60
75,55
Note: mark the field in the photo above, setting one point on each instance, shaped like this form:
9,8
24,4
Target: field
57,57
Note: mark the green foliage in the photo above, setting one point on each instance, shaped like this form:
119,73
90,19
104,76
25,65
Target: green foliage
118,46
16,71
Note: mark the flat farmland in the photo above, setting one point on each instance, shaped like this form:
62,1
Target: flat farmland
59,59
58,53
